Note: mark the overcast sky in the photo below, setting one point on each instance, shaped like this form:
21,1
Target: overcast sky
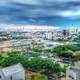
63,13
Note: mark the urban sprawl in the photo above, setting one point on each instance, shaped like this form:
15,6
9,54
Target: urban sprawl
39,53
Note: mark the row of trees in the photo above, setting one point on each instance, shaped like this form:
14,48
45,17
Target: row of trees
66,50
63,51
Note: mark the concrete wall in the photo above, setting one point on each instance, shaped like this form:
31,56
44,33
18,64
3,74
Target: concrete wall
16,76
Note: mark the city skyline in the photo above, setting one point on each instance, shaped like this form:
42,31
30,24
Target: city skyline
13,27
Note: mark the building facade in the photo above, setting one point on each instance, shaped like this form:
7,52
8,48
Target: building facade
15,72
73,73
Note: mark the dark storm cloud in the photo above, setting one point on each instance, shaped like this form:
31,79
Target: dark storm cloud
28,11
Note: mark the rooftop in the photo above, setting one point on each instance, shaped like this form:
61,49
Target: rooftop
12,69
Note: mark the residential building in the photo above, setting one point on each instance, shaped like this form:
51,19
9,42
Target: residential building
73,72
15,72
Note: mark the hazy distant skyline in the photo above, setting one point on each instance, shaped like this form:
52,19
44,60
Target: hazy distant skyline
62,13
23,28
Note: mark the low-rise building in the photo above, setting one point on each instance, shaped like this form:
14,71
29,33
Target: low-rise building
15,72
73,72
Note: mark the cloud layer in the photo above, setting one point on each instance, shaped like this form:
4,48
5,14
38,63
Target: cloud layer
39,11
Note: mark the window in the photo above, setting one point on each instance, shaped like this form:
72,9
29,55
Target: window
0,76
71,77
11,78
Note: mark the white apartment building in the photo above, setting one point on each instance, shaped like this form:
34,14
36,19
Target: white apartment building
15,72
73,72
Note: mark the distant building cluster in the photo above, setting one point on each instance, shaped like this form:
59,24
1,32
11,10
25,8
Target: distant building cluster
12,40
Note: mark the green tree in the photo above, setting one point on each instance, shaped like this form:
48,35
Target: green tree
1,60
14,59
64,51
